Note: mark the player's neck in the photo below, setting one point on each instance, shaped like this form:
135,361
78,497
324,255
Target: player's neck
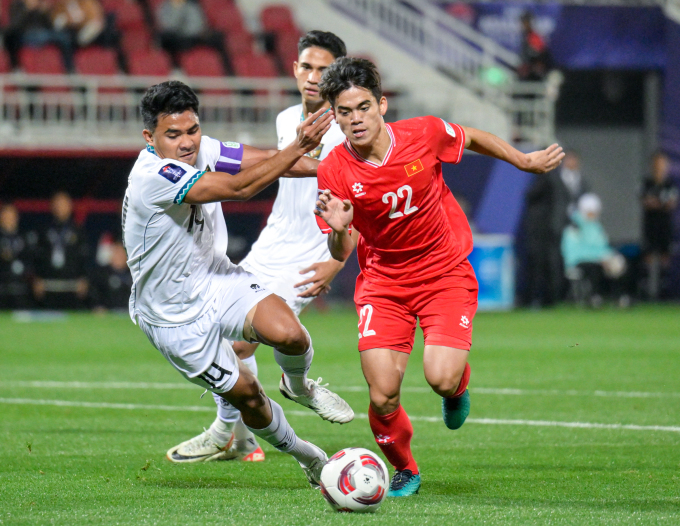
377,150
311,107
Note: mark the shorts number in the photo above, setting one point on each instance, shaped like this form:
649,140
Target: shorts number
391,196
366,311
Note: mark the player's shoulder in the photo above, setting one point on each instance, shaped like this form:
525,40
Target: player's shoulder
420,125
289,114
150,167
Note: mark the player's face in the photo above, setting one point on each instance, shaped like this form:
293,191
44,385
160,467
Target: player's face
359,115
308,69
177,136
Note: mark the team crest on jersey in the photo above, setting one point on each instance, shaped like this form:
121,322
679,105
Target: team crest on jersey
413,168
172,172
315,153
358,189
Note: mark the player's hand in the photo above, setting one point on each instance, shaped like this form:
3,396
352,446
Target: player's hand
324,272
337,214
312,129
544,161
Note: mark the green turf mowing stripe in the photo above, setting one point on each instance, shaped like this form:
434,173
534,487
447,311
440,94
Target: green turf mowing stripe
361,416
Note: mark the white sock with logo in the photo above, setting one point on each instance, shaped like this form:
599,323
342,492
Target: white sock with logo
280,435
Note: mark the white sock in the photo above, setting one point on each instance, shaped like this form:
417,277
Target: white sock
241,435
225,411
280,435
221,431
251,364
295,368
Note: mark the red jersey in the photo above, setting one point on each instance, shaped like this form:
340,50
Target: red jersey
411,226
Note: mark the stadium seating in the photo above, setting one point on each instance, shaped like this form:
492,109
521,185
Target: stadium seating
223,15
277,19
96,61
286,50
129,14
5,66
202,62
152,62
238,43
43,60
135,39
254,65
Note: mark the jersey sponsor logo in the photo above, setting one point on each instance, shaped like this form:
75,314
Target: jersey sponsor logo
449,129
230,144
464,322
414,168
358,189
172,172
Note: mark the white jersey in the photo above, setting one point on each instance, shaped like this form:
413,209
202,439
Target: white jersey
174,248
292,240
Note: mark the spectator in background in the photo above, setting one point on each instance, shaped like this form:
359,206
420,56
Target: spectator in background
588,258
62,261
534,54
112,283
30,24
182,26
83,19
659,199
548,204
15,261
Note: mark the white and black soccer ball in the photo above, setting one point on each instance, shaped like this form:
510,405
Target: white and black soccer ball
354,479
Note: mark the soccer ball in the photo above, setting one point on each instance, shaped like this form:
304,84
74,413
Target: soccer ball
354,479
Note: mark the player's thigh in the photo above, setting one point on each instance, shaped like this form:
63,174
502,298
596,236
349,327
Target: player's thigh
384,371
444,367
384,320
198,351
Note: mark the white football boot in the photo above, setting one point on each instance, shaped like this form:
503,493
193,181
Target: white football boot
323,402
313,470
201,448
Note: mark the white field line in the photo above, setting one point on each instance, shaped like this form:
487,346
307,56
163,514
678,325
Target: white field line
362,416
339,388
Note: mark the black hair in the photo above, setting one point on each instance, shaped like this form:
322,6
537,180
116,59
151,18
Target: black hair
166,98
325,40
346,73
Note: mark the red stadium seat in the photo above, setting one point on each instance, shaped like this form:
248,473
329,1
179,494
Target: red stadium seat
238,43
277,18
129,15
153,62
135,40
44,60
223,15
254,65
287,50
202,62
5,66
96,61
4,13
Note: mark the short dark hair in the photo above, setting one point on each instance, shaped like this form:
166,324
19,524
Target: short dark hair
325,40
166,98
346,73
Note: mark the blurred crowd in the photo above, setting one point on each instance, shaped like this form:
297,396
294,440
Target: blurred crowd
568,254
55,268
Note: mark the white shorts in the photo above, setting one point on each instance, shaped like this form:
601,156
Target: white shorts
200,350
281,283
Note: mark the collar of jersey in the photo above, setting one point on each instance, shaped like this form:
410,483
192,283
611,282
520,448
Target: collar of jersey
358,157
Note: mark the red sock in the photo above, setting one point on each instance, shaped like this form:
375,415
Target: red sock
393,434
464,381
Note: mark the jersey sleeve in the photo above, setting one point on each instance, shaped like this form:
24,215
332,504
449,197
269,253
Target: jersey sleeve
169,182
226,157
447,139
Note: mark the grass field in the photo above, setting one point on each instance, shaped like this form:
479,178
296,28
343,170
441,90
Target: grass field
575,420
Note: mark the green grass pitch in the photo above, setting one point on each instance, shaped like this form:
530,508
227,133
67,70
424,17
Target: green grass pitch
575,420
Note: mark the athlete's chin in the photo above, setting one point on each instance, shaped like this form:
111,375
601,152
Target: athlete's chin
189,158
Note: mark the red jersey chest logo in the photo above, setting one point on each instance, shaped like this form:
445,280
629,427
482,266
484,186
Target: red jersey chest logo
414,168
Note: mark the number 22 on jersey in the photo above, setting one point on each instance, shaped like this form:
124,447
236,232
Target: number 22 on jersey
391,197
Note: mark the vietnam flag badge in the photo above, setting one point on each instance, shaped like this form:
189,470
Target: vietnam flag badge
413,168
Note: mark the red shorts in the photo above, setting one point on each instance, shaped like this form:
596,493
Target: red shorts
444,306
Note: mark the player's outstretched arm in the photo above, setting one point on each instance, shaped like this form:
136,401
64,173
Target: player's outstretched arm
304,167
337,215
218,186
538,162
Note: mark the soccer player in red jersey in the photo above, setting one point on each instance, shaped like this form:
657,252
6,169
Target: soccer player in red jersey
383,191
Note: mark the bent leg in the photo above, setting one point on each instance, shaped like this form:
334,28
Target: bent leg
444,369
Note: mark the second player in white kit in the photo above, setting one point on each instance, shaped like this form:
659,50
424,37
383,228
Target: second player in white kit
290,257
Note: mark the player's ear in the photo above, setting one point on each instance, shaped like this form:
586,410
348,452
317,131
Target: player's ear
148,137
383,106
295,68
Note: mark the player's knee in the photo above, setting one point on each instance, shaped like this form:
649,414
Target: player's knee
385,402
293,338
445,384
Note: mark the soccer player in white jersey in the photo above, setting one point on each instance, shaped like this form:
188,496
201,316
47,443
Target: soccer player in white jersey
187,296
290,257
